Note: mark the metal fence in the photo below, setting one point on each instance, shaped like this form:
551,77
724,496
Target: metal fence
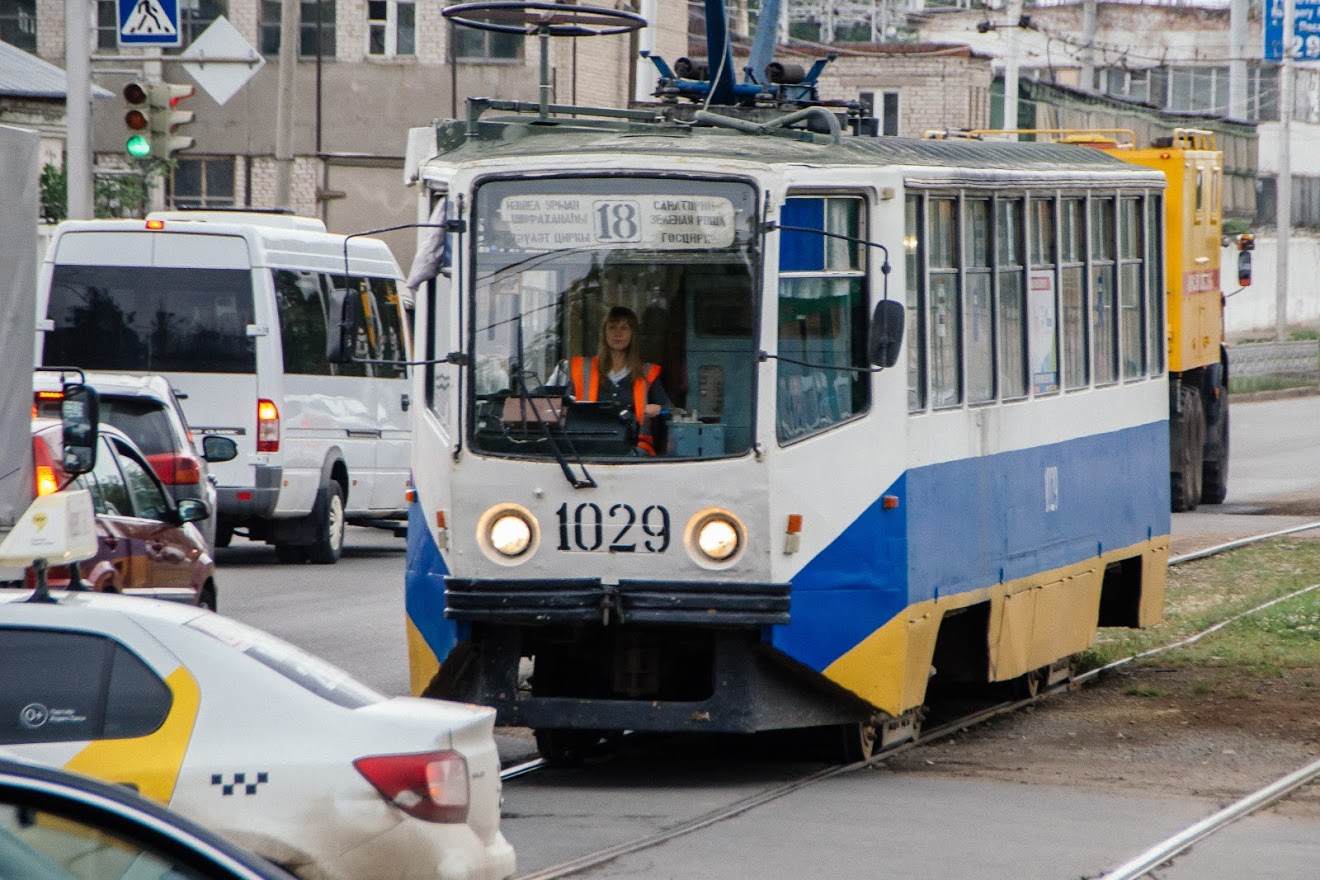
1293,362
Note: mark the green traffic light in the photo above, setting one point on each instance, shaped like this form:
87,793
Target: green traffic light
138,147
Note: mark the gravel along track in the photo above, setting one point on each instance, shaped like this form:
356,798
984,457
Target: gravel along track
1214,731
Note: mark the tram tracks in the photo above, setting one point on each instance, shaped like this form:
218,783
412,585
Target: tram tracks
1169,849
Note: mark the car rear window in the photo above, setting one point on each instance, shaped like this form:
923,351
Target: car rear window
151,318
313,674
145,421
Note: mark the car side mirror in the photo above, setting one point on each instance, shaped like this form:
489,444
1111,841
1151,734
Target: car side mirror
192,510
81,418
216,449
886,334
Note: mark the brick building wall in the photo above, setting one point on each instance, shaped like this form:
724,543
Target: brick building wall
938,86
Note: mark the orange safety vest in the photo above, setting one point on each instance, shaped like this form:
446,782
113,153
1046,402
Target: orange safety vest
586,387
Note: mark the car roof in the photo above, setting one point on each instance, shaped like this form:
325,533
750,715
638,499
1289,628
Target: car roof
132,607
119,384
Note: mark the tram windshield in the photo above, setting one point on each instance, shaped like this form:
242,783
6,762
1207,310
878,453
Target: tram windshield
614,318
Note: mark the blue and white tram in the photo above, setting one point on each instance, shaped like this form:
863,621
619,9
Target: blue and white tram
816,537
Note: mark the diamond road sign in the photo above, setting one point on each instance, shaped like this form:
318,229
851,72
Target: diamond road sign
149,23
1306,30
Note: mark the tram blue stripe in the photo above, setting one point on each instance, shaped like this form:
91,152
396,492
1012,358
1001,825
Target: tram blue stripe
972,523
424,585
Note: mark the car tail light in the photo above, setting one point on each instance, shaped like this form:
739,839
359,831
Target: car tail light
176,468
47,481
429,785
268,426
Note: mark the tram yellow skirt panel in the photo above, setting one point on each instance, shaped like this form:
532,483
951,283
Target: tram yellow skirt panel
1034,621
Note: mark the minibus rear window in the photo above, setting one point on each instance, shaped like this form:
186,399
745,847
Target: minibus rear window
151,319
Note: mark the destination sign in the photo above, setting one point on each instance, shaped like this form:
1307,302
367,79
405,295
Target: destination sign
663,222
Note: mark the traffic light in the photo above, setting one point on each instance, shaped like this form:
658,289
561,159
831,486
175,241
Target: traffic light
137,121
153,118
164,98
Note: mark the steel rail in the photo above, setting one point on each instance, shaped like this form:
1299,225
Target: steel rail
1184,840
1240,542
608,854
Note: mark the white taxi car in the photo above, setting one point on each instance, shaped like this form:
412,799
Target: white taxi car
275,749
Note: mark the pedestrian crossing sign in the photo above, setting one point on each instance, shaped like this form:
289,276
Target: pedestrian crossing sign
149,23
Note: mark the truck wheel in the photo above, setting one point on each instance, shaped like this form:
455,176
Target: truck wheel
1187,446
330,530
1214,473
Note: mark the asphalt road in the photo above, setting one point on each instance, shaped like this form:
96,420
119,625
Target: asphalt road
864,824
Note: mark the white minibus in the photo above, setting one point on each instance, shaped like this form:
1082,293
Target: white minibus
231,307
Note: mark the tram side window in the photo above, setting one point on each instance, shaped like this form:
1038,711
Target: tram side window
1131,278
1042,305
945,309
822,317
979,307
916,304
1009,262
1104,314
1072,288
1155,284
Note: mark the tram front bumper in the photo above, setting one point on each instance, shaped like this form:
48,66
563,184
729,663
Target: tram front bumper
587,600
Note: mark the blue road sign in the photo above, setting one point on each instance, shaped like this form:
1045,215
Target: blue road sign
149,23
1305,40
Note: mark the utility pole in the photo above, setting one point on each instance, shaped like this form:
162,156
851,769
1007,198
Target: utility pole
1283,186
1011,64
1237,59
78,108
1088,48
284,103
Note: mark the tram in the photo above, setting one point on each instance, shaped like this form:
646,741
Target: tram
1194,303
915,422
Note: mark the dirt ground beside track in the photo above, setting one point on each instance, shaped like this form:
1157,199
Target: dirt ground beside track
1205,733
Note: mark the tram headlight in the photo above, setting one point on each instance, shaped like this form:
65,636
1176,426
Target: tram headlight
715,536
510,534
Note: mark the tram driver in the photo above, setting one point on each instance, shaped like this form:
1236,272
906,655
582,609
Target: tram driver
617,374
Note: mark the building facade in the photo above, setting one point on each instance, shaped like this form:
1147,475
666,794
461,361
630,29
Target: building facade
368,70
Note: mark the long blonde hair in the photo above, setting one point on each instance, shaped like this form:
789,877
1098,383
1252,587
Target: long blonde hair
634,350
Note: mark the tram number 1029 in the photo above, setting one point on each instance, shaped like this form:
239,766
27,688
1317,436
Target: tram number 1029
586,527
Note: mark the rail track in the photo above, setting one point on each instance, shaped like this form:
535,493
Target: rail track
1137,867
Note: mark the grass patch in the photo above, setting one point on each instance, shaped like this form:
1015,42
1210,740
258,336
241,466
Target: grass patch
1202,593
1248,384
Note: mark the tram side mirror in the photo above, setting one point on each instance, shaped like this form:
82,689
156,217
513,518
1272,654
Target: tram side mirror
1244,268
81,418
886,335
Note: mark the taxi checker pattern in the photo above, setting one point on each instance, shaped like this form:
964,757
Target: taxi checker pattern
239,781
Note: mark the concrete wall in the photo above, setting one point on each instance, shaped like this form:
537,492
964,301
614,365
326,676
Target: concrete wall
1251,311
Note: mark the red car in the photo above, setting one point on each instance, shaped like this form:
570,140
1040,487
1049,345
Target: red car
148,545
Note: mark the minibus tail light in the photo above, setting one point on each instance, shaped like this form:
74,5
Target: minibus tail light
268,426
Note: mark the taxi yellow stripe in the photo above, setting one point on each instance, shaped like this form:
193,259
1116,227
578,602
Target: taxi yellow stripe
149,763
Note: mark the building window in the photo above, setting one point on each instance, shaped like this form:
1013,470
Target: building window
391,28
18,23
471,43
310,12
203,183
883,107
196,16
